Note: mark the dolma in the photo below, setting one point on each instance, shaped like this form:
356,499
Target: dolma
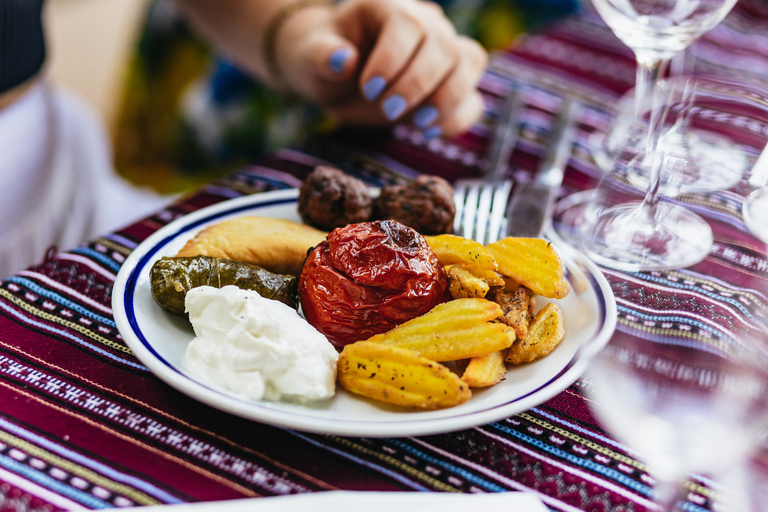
172,277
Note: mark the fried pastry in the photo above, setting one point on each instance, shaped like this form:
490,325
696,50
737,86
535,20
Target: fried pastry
277,245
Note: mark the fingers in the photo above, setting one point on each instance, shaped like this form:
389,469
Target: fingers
399,39
414,67
455,104
332,57
435,59
414,49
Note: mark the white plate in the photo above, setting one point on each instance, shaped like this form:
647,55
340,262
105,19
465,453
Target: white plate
159,340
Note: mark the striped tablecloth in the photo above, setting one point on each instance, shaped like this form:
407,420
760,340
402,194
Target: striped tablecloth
83,424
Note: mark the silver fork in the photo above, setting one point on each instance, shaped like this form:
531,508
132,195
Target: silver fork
481,204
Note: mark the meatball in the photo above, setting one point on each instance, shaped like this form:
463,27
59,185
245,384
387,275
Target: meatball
329,199
425,204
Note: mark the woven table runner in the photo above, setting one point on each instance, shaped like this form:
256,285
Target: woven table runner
83,424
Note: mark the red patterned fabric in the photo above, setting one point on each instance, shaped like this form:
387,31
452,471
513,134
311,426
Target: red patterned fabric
84,424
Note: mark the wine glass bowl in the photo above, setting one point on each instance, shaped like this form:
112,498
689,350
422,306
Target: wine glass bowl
661,27
684,407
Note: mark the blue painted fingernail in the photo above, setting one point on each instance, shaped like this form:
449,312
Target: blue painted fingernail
374,87
338,58
394,106
425,116
432,133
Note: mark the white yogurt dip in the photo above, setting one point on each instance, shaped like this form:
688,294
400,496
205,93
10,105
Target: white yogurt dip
257,348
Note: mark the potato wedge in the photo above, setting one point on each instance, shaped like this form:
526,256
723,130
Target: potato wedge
493,279
533,263
544,334
398,376
457,329
485,371
457,250
463,284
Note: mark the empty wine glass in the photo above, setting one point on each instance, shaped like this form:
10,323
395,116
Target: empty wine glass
629,229
734,110
650,234
685,406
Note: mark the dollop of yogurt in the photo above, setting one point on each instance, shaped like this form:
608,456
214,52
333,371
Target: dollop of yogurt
257,348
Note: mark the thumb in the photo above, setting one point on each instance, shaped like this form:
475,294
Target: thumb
333,57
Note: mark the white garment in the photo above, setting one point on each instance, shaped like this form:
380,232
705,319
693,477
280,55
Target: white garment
57,181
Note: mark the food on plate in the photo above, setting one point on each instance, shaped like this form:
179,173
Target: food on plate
457,250
493,279
397,303
462,284
330,199
518,306
277,245
533,263
458,329
485,371
544,334
425,204
171,279
398,376
257,348
367,278
470,266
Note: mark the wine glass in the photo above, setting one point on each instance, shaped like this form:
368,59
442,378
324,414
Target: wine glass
690,393
685,406
650,233
735,110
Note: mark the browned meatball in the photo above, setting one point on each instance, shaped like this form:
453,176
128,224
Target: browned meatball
425,204
329,199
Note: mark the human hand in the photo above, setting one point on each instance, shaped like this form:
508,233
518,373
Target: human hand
373,62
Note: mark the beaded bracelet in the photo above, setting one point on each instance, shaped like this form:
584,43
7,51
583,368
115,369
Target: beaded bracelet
270,35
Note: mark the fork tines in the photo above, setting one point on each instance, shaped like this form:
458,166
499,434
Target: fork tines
480,209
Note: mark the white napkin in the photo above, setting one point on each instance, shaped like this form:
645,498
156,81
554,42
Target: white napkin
342,501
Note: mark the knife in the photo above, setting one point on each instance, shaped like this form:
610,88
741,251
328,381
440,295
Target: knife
531,205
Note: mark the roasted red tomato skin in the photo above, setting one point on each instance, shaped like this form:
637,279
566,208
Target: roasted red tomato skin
367,278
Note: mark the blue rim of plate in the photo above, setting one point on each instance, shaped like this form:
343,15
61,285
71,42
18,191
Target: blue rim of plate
124,310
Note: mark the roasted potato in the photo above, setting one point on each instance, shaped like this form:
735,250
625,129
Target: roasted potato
457,250
493,279
544,334
399,376
463,284
533,263
485,371
457,329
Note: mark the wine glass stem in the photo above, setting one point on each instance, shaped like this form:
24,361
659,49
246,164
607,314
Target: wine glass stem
668,493
649,70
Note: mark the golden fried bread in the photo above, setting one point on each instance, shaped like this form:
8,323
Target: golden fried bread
276,245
